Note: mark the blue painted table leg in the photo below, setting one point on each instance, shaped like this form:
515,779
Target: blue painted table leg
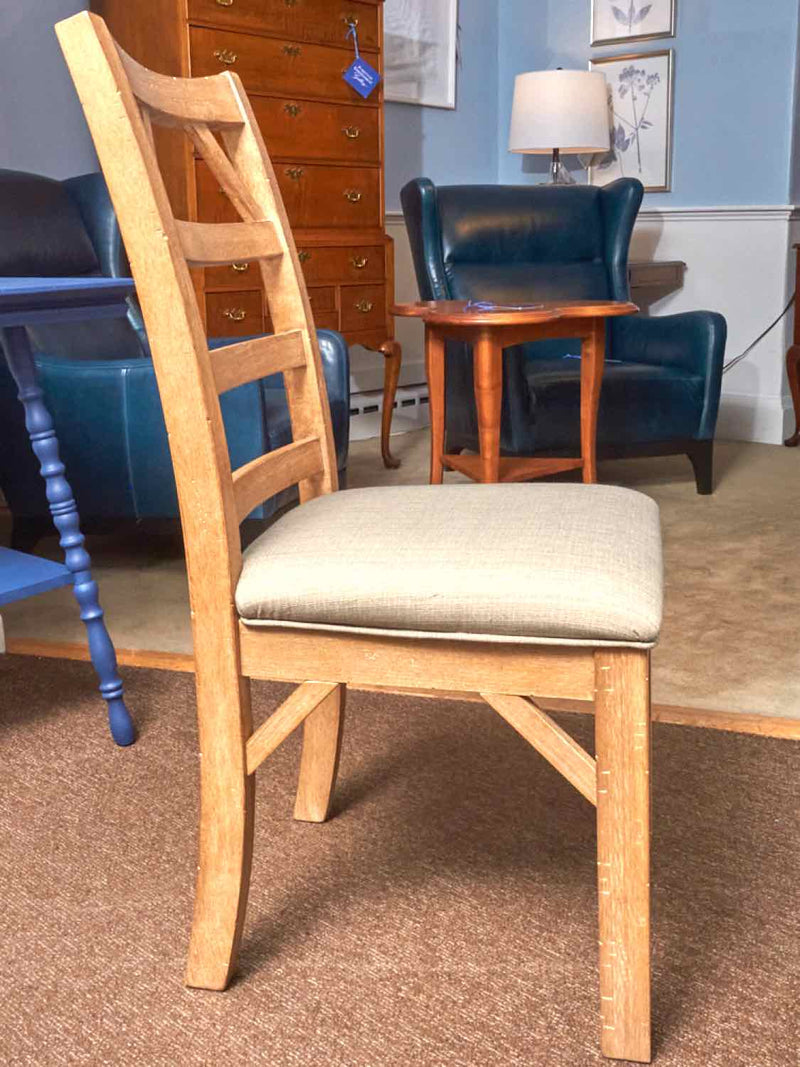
65,516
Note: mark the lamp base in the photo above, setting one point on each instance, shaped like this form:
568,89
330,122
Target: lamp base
559,175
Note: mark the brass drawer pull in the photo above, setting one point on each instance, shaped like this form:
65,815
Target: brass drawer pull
240,267
364,306
225,3
359,262
351,132
235,314
304,256
353,195
349,20
291,50
295,173
292,109
224,55
290,3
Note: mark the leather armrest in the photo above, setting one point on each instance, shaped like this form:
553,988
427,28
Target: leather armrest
693,341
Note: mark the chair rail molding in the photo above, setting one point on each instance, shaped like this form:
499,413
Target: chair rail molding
738,261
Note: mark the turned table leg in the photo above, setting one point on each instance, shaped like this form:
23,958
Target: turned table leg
592,360
39,424
393,358
435,373
488,362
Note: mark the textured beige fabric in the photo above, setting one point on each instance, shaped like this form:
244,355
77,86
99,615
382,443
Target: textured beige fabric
542,563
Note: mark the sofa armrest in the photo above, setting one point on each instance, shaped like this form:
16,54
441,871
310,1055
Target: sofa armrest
693,341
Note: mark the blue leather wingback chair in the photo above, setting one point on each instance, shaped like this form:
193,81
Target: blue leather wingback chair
522,244
98,378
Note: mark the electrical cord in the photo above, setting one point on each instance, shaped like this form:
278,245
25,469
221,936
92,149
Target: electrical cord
738,359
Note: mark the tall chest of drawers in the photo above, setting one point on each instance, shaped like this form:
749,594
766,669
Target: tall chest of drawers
325,141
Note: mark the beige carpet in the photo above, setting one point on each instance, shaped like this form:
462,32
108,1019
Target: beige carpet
445,917
733,585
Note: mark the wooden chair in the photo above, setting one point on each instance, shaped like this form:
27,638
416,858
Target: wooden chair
561,598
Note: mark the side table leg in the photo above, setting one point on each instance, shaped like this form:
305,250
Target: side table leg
393,358
435,372
65,516
488,363
793,372
593,356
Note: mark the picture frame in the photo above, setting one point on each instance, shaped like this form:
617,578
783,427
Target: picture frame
641,90
620,21
420,52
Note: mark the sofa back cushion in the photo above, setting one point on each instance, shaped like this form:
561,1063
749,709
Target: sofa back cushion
514,244
41,229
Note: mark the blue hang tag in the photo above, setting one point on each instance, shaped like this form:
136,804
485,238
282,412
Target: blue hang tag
362,77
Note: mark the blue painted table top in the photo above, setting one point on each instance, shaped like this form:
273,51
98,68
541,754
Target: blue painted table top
26,301
22,575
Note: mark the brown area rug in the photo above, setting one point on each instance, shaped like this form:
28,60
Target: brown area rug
445,916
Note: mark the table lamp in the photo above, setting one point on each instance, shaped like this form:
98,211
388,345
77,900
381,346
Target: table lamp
559,111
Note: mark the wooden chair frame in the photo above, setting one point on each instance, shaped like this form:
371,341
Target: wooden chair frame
122,100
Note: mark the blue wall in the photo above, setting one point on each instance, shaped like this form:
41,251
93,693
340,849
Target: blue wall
41,122
734,91
451,146
735,69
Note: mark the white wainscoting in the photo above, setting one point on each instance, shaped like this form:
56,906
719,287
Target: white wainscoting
739,262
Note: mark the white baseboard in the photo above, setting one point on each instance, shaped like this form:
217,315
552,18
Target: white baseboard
764,420
411,412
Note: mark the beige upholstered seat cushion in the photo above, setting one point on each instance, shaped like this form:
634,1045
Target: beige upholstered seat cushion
539,563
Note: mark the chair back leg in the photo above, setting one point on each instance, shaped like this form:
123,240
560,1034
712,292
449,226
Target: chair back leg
622,743
227,808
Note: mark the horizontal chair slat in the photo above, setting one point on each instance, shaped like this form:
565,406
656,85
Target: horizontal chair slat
262,478
246,361
212,244
178,101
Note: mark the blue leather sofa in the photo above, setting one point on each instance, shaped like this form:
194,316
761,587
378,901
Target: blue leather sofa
98,378
522,244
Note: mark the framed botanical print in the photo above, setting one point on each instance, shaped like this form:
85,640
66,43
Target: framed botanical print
420,48
616,21
640,106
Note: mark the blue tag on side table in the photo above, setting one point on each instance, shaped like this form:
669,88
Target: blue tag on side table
362,77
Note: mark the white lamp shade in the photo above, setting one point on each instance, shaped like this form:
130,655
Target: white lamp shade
564,109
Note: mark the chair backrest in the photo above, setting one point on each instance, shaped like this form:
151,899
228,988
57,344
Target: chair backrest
122,101
516,243
54,228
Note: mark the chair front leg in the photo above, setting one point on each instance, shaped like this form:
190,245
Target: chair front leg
227,802
622,741
322,740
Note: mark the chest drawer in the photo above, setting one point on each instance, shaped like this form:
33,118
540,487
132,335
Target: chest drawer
319,196
315,196
267,65
322,21
233,276
234,314
304,129
363,307
359,263
321,266
323,320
